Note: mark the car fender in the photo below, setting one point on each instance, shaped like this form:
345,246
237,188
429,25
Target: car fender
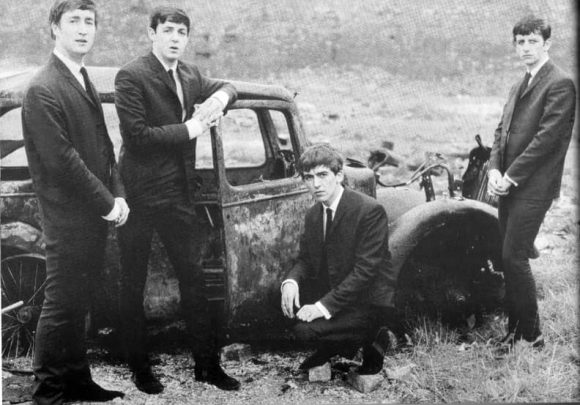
410,228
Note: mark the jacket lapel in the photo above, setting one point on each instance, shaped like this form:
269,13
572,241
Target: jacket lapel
542,73
159,73
186,81
341,209
71,79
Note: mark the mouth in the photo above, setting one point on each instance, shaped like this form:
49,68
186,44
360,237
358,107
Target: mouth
81,41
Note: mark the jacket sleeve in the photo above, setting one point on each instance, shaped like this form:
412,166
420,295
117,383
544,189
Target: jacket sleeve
554,125
370,254
210,86
130,101
45,125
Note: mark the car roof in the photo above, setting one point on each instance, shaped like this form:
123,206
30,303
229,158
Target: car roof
13,86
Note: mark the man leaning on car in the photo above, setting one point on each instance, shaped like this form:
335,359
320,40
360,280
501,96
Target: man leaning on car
156,97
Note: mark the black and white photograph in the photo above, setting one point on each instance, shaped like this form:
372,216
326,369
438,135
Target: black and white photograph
253,202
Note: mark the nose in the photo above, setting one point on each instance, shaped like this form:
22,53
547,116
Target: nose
316,182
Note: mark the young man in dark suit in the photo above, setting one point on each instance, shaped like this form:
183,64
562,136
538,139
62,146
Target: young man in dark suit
156,96
342,269
75,176
526,165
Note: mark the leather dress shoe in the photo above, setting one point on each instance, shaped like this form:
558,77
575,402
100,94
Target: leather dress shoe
215,375
90,392
372,361
317,359
146,381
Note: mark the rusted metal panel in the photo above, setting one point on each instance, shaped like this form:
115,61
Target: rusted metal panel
261,239
19,203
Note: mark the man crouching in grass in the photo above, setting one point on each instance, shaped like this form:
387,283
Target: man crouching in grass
342,272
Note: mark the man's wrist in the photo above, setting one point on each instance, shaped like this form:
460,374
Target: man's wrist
288,281
114,213
323,309
222,97
194,128
510,180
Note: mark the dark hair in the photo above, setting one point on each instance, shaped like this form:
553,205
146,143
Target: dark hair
532,25
172,14
62,6
321,154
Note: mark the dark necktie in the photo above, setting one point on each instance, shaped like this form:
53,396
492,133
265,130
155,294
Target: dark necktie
173,84
325,281
328,223
88,86
524,85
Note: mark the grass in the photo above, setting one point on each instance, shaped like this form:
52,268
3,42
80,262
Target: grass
431,89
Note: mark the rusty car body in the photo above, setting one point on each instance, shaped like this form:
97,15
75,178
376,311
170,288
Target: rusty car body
444,251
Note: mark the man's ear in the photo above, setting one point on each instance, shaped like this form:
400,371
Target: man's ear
151,33
547,44
53,28
340,176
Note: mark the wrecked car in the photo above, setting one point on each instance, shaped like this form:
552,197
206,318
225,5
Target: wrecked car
445,249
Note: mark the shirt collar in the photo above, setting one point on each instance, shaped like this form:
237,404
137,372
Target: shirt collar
173,66
73,66
535,70
334,205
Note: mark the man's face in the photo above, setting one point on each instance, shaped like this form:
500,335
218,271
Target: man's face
323,184
532,49
169,41
75,33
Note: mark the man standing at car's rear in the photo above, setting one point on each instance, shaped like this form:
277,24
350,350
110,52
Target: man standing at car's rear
73,168
156,97
526,165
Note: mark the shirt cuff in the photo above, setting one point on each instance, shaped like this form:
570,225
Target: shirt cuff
288,280
111,216
508,178
194,128
323,309
222,97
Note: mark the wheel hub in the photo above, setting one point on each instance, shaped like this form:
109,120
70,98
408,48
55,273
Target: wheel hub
25,314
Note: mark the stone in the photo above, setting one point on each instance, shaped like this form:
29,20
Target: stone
364,383
400,373
320,373
236,352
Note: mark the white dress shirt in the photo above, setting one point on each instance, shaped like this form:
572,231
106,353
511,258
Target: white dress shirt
193,126
333,207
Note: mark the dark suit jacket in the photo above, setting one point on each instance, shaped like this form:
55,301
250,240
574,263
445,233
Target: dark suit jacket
533,135
358,253
70,155
157,157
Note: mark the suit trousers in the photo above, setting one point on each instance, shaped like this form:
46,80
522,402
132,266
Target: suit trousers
342,334
520,221
74,257
181,234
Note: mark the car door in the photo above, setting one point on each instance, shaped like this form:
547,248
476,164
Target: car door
263,203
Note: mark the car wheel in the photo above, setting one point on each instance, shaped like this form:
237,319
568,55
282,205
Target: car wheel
23,281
